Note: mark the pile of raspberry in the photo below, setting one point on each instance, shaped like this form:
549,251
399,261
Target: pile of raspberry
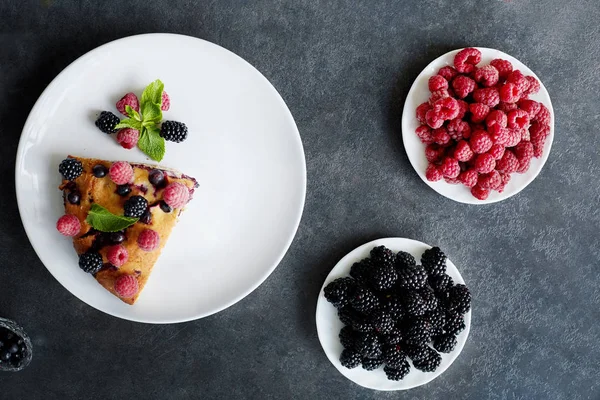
480,125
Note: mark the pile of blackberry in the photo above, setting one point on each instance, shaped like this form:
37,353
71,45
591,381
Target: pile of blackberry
394,309
13,350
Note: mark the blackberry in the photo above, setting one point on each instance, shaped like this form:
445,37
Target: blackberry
361,271
440,283
404,259
135,206
174,131
339,291
347,337
394,355
393,337
90,262
350,359
395,307
428,360
436,320
371,364
364,300
414,304
396,374
412,278
383,277
429,299
417,332
434,261
382,255
367,345
382,321
351,317
107,121
459,299
454,323
444,343
70,168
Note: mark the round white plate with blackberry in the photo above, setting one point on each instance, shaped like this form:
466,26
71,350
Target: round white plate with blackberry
241,144
393,314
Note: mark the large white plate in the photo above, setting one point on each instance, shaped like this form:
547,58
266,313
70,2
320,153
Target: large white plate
419,93
329,325
243,147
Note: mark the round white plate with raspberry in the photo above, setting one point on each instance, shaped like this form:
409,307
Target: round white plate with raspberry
464,157
243,147
329,324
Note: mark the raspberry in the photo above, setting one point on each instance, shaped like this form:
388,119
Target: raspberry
518,79
421,110
485,163
476,126
538,134
496,117
434,120
509,93
434,153
126,286
121,172
176,195
148,240
463,107
538,149
433,173
437,82
447,72
524,166
463,85
487,76
128,138
498,134
469,177
505,179
447,108
462,151
525,137
514,137
480,142
458,129
491,180
480,193
117,255
452,181
131,100
543,116
450,167
466,59
497,150
478,111
488,96
506,107
518,119
165,103
504,67
534,86
530,106
438,95
441,136
524,152
424,133
68,225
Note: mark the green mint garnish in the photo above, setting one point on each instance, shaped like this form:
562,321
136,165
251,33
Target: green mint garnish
129,123
152,143
104,221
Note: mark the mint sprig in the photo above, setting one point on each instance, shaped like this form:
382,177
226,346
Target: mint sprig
104,221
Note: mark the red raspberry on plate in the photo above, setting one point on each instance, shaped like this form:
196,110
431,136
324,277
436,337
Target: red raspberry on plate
462,151
524,166
463,107
424,133
434,153
466,59
447,108
148,240
437,82
534,86
468,178
518,119
421,110
543,116
479,192
480,142
176,195
505,179
478,112
491,180
514,137
166,102
496,117
476,126
463,85
450,167
68,225
524,152
488,96
506,107
434,120
438,95
447,72
452,181
128,138
498,134
485,163
518,79
459,129
126,286
433,173
441,136
504,67
525,137
497,150
121,172
532,107
117,255
538,134
509,93
131,100
487,76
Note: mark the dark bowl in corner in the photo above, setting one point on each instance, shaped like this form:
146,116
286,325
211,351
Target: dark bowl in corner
19,333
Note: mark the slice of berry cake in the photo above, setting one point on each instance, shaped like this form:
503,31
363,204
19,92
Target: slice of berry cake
120,216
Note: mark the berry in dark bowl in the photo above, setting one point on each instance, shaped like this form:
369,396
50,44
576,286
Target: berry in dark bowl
16,349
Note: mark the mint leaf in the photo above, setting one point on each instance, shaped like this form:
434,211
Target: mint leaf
152,143
132,113
129,123
104,221
151,112
152,94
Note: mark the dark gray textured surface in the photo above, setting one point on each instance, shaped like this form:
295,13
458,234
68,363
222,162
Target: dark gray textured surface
343,68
